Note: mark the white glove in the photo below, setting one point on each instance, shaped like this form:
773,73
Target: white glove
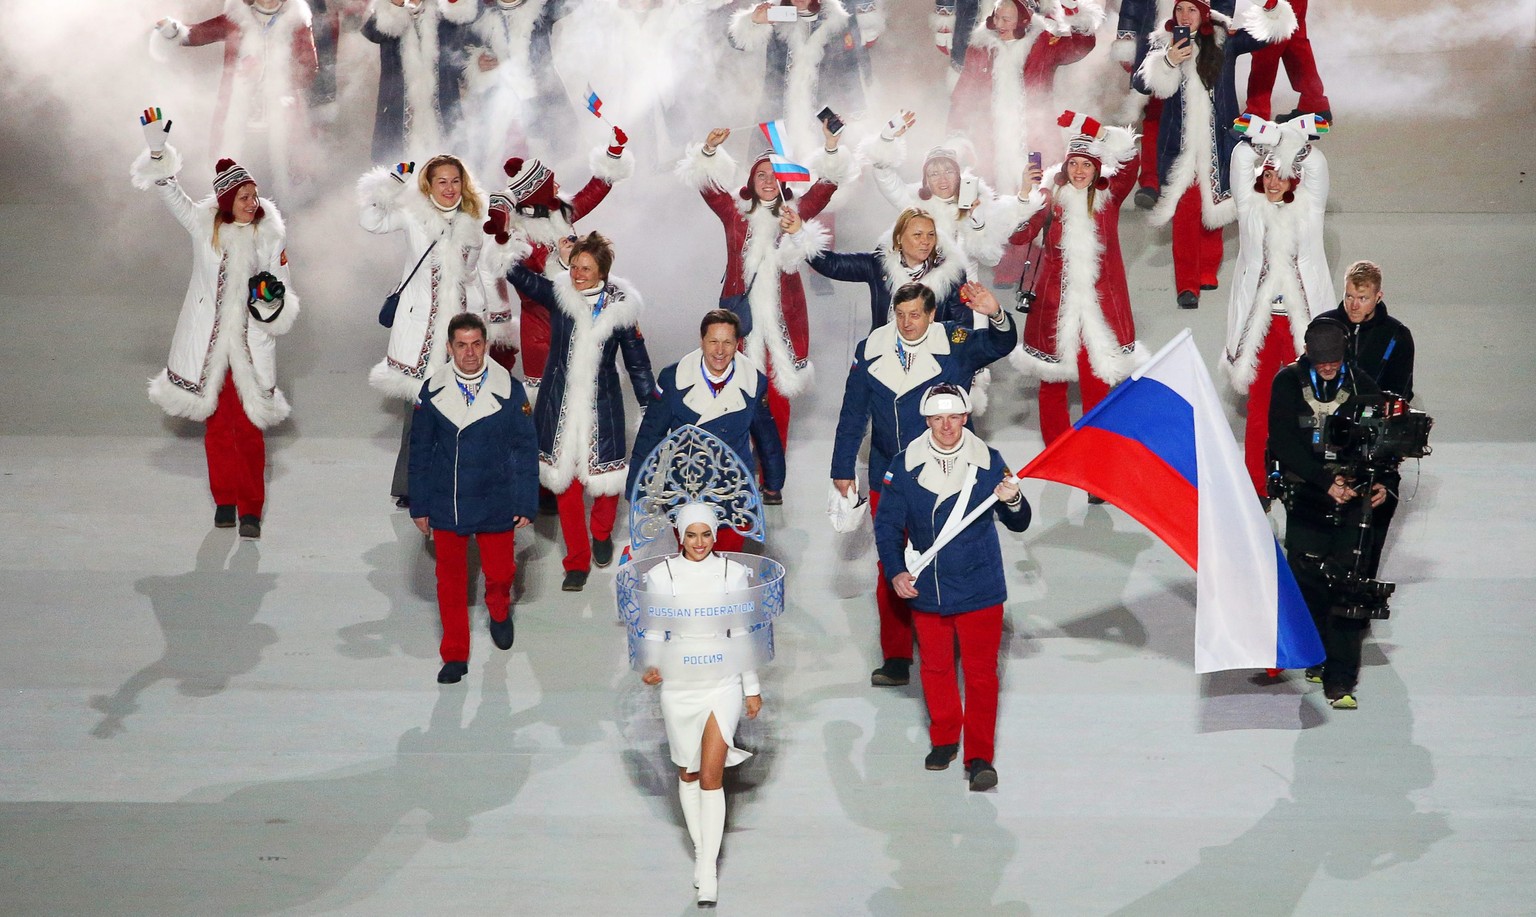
168,28
157,130
846,513
1260,132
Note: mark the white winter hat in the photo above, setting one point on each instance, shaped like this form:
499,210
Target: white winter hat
692,514
946,398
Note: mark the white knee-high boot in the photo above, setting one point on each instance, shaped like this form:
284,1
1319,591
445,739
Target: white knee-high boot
711,829
688,795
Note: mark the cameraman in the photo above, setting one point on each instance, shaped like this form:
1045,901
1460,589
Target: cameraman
1324,508
1381,347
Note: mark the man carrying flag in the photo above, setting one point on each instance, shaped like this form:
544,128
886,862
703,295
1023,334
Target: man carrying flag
937,543
1159,447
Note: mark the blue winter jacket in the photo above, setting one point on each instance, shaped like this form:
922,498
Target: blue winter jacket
881,396
1224,105
738,415
1138,19
389,115
867,268
474,467
621,336
968,573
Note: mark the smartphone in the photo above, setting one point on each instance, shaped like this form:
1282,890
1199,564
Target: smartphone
969,192
787,13
829,117
1180,33
1035,160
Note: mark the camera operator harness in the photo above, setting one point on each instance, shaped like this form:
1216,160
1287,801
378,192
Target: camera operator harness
1361,437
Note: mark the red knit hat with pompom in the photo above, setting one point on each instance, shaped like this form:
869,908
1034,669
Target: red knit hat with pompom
228,176
532,184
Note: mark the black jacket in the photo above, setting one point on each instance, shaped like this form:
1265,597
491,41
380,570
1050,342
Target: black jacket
1290,431
1382,347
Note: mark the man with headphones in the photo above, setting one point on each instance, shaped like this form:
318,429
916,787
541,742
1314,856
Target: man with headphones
1324,509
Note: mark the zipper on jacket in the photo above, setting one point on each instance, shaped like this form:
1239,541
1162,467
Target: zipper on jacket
458,435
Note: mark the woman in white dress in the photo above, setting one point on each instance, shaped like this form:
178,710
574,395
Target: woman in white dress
701,717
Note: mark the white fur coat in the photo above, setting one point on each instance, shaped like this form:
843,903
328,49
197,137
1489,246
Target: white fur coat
448,282
215,332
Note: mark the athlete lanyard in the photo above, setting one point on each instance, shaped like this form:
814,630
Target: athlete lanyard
470,393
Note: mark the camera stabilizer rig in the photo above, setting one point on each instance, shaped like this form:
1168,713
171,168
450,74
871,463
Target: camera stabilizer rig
1363,442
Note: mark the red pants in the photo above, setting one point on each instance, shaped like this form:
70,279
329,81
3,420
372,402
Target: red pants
895,615
237,454
1196,250
1300,69
979,634
572,503
498,562
1278,349
1150,120
729,540
1055,419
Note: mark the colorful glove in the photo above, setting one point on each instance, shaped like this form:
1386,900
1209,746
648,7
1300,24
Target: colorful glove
1314,125
401,170
157,130
1258,130
616,148
498,215
266,288
1079,123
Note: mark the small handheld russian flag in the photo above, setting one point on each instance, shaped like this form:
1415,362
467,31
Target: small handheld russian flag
594,104
784,169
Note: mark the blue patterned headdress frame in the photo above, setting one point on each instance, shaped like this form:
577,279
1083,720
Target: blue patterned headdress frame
691,465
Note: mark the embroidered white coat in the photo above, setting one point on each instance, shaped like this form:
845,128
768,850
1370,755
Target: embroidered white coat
449,281
1280,253
214,331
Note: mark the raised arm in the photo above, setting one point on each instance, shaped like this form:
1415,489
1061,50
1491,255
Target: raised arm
536,287
378,197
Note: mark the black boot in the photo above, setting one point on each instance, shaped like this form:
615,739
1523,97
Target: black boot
893,674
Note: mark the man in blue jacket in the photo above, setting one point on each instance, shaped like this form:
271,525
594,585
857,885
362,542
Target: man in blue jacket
721,390
958,591
892,368
474,473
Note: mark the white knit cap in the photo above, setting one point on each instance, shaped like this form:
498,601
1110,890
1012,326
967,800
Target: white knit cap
693,513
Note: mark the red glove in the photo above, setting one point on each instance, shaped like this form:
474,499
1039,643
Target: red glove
1079,123
499,214
1271,4
616,149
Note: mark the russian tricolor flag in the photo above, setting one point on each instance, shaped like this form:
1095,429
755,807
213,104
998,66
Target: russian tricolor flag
594,104
1159,447
783,168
